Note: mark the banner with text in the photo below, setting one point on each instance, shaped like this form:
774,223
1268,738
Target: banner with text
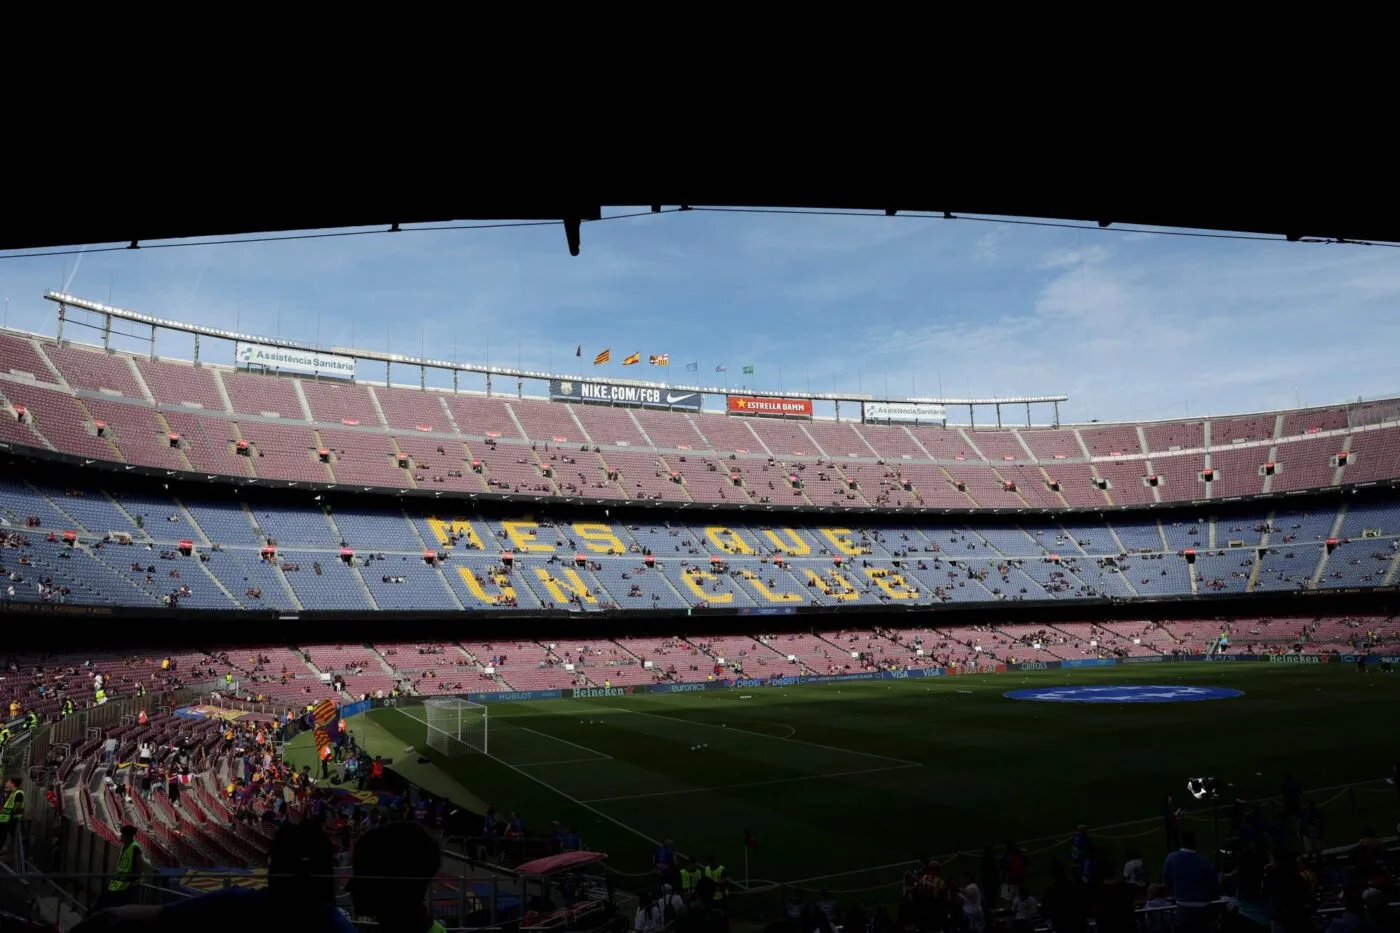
759,405
905,411
299,361
612,393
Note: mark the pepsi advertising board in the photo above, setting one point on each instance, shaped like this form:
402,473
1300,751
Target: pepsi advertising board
613,393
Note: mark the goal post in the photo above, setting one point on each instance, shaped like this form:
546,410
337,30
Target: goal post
454,726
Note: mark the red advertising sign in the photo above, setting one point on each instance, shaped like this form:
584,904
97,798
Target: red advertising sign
751,405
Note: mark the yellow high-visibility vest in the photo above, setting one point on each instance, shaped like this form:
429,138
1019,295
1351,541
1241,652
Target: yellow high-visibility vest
716,875
13,808
124,864
689,879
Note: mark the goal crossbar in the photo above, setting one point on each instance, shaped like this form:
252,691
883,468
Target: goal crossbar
454,726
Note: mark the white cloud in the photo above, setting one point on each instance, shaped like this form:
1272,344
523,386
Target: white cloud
1129,325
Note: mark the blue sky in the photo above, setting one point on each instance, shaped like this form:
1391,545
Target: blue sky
1129,325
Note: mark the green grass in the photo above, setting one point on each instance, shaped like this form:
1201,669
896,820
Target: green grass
843,784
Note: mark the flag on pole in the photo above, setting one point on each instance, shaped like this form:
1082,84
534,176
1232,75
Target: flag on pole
663,359
579,351
722,368
693,367
632,360
602,358
749,841
322,716
748,370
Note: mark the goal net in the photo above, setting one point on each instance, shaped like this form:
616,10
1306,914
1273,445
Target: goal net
455,727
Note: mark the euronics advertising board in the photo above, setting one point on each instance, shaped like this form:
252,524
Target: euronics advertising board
292,360
909,412
612,393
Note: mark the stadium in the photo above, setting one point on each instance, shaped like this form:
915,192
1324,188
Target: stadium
635,611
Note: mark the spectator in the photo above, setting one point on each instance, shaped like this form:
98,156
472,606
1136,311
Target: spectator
300,894
394,865
1193,884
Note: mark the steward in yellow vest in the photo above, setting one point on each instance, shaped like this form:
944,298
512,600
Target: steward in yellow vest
715,872
130,865
690,878
12,811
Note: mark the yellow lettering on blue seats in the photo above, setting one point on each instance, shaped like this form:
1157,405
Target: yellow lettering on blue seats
599,538
835,585
522,537
788,541
891,583
696,581
757,583
444,530
727,540
568,579
842,541
475,587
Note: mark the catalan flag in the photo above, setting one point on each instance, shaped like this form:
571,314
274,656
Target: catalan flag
663,359
323,716
602,358
632,360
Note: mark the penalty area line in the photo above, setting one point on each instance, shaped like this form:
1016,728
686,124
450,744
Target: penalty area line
790,780
575,801
763,735
600,756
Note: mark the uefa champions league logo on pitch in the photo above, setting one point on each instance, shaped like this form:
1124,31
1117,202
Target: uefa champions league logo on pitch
1123,694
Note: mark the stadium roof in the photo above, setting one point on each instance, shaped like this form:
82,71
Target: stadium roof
116,211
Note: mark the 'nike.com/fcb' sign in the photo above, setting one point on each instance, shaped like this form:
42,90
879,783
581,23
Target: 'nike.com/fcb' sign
610,393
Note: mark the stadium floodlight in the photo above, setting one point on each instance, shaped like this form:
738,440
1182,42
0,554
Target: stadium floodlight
454,726
1203,788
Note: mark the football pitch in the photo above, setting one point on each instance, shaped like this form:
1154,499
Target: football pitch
844,785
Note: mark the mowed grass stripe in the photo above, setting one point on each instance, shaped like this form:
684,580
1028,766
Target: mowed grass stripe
993,768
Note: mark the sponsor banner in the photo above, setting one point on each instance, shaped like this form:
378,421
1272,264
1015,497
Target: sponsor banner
1295,659
759,405
612,393
355,709
1370,659
1035,666
768,611
686,688
1123,693
770,682
1149,659
583,693
905,411
297,361
1090,662
508,695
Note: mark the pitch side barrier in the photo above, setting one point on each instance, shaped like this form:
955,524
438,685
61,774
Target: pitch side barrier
589,693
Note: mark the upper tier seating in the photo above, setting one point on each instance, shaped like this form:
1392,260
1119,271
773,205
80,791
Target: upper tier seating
168,414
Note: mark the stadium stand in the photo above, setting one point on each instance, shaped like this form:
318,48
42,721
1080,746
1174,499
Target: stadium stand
87,545
160,413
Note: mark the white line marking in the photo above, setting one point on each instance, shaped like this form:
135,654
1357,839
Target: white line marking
555,738
566,761
574,800
790,780
761,735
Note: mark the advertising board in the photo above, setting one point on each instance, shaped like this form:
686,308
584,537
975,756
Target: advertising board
292,360
614,393
908,412
760,405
